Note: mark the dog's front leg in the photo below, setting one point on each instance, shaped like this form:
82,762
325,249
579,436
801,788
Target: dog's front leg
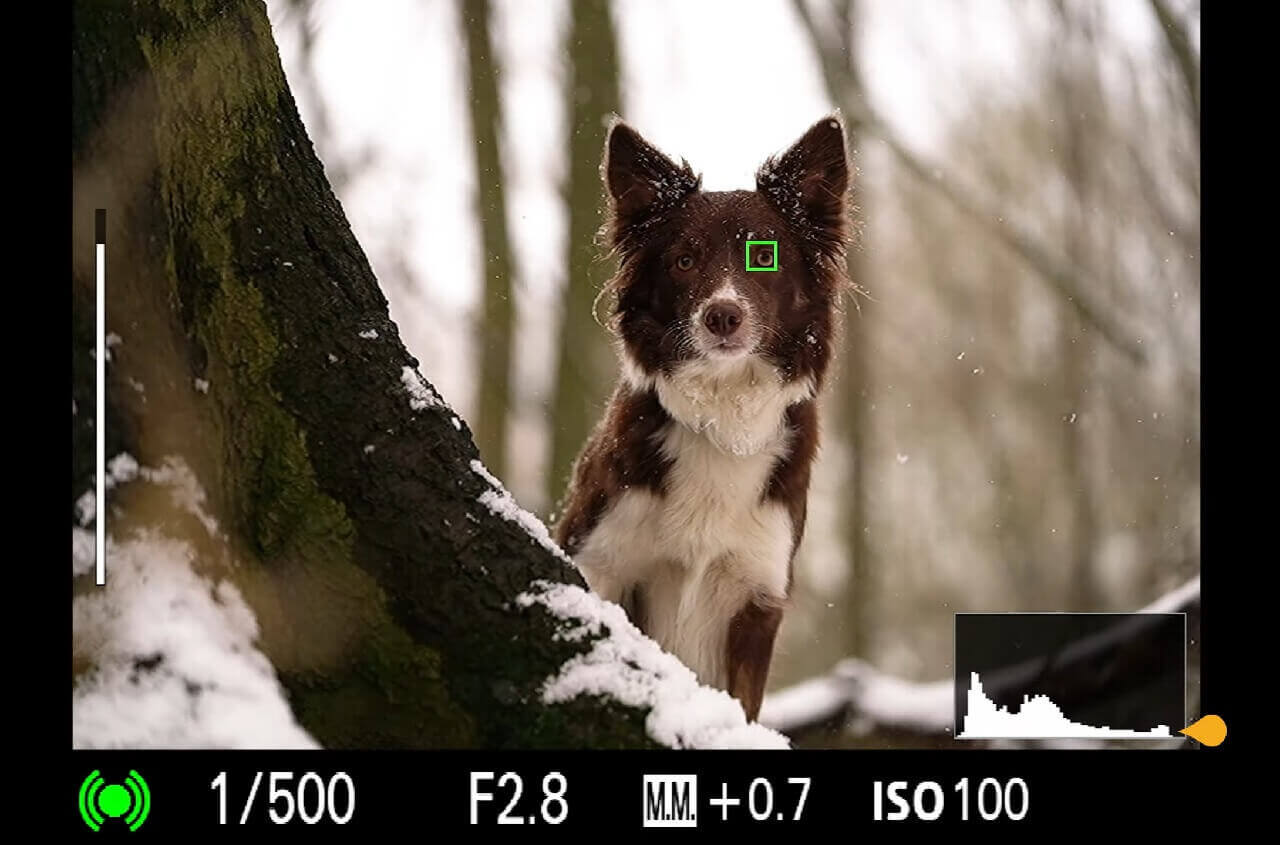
752,632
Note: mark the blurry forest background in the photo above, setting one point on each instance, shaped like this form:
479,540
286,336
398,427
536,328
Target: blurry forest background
1016,421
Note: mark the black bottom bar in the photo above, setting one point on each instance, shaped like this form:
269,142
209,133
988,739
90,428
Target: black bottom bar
352,792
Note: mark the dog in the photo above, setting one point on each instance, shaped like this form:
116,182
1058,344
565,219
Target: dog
687,502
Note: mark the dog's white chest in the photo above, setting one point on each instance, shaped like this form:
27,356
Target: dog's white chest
713,508
699,552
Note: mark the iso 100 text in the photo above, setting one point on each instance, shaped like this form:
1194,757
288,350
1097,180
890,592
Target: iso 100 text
990,800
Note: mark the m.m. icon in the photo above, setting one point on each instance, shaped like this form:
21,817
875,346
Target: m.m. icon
670,800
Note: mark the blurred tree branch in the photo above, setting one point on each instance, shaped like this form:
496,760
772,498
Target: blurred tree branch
1067,280
1179,44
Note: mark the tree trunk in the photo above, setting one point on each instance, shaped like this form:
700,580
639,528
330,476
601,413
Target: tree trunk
1072,79
585,365
854,427
852,415
383,589
497,320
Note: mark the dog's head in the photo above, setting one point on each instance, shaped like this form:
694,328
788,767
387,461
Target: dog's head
721,281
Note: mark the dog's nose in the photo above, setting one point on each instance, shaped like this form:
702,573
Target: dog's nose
723,318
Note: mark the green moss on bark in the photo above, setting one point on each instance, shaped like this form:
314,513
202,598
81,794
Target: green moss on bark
355,677
393,697
275,494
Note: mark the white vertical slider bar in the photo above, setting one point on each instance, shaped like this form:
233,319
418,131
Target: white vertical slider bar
99,425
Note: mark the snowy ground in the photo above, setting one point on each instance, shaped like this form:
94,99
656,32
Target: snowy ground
623,663
626,665
175,662
173,652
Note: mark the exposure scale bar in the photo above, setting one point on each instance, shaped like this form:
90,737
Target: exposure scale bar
99,426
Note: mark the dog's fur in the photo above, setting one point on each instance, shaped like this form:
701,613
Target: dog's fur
688,501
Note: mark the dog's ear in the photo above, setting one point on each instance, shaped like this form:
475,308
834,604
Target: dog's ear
809,184
641,182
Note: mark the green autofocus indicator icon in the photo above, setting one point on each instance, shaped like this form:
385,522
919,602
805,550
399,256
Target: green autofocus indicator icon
129,801
764,258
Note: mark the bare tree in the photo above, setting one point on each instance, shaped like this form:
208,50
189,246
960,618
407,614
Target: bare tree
1076,89
584,361
1067,280
496,326
854,390
1045,471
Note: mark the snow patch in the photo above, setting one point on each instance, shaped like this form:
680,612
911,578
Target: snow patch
876,698
120,469
631,668
83,551
175,664
371,334
86,508
420,395
894,701
481,470
185,490
500,502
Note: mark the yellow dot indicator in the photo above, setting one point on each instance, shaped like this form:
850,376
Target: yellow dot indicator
1209,730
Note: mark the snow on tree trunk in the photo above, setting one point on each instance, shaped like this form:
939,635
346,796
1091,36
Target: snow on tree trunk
304,546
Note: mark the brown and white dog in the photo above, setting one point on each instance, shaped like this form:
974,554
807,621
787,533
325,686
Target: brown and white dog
687,502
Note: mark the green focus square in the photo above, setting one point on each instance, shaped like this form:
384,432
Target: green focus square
773,254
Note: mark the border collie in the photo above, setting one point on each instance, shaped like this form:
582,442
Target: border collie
687,502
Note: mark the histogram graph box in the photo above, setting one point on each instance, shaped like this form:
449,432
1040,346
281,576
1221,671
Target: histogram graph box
1070,675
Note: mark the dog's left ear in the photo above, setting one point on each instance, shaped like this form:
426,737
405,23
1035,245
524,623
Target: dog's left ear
809,183
642,183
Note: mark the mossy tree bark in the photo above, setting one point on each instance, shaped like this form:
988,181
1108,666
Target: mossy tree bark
383,590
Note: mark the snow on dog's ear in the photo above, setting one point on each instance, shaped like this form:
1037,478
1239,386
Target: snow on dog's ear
809,185
642,183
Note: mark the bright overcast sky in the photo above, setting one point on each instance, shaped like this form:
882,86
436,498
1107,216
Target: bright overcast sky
722,83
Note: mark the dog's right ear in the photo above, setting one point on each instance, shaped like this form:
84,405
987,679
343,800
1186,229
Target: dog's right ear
641,182
809,184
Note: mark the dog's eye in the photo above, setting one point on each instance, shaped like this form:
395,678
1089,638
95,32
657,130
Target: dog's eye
764,258
685,262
